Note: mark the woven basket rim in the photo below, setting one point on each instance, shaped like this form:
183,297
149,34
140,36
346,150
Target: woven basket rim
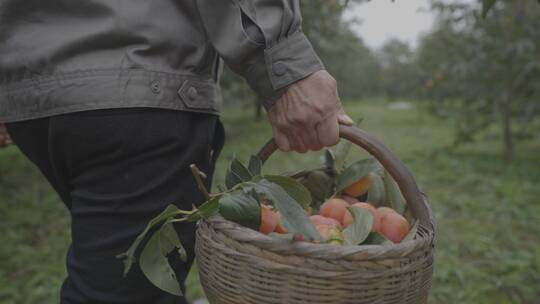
424,240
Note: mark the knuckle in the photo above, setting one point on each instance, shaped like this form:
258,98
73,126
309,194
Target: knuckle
299,119
281,124
332,81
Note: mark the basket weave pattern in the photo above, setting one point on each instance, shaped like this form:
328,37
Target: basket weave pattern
238,265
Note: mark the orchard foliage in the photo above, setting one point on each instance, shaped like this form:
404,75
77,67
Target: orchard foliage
484,73
479,67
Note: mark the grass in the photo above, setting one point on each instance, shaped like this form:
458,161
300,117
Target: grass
487,212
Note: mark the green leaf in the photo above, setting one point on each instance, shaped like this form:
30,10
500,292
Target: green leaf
487,5
168,233
206,210
255,165
129,255
241,208
293,216
393,194
329,160
340,154
236,174
376,192
294,188
412,233
154,262
376,238
355,172
320,185
359,230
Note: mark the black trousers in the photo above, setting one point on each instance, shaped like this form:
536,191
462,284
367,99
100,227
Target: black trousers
115,170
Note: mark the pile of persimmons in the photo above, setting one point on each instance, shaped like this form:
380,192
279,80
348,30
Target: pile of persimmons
334,216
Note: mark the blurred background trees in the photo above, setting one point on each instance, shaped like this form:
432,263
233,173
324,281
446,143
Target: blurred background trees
471,82
482,73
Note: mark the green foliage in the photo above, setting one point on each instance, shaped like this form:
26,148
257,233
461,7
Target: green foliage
320,185
241,203
255,165
241,208
355,172
486,6
293,216
296,190
377,191
341,151
486,211
393,195
360,229
237,173
376,238
154,263
483,72
129,256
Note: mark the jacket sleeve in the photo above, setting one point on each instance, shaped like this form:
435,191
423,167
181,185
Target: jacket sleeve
261,40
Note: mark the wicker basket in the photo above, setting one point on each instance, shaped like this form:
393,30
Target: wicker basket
238,265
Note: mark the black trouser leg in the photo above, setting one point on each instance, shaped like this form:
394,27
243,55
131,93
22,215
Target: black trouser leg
116,169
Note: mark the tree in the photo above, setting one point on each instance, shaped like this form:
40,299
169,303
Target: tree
485,71
398,75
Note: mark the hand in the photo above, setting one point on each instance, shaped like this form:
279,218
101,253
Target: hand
5,140
308,115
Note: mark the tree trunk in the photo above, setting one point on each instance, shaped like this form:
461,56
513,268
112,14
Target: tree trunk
507,133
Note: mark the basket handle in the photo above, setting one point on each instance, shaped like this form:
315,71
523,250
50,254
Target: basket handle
389,161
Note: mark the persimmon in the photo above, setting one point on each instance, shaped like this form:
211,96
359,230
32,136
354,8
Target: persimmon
269,220
279,226
334,208
330,234
348,218
349,199
381,211
298,237
358,188
394,227
317,220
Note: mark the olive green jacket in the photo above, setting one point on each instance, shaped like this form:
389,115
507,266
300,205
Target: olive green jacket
61,56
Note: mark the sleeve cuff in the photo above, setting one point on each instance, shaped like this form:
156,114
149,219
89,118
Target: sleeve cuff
286,62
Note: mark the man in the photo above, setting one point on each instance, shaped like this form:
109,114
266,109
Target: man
114,99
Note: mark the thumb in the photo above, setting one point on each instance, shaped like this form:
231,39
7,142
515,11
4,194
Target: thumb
344,119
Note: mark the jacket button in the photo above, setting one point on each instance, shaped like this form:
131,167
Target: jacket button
155,87
279,68
192,93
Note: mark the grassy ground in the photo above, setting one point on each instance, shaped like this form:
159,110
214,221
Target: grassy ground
488,212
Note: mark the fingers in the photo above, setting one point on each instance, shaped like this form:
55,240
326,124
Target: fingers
328,131
281,139
311,139
297,142
344,119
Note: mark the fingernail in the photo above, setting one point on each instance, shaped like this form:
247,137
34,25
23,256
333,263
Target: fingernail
345,119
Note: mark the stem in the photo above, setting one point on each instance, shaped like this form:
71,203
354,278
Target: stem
183,219
197,174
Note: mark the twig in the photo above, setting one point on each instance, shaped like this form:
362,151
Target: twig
198,174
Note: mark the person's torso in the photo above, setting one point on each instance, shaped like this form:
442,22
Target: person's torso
43,42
